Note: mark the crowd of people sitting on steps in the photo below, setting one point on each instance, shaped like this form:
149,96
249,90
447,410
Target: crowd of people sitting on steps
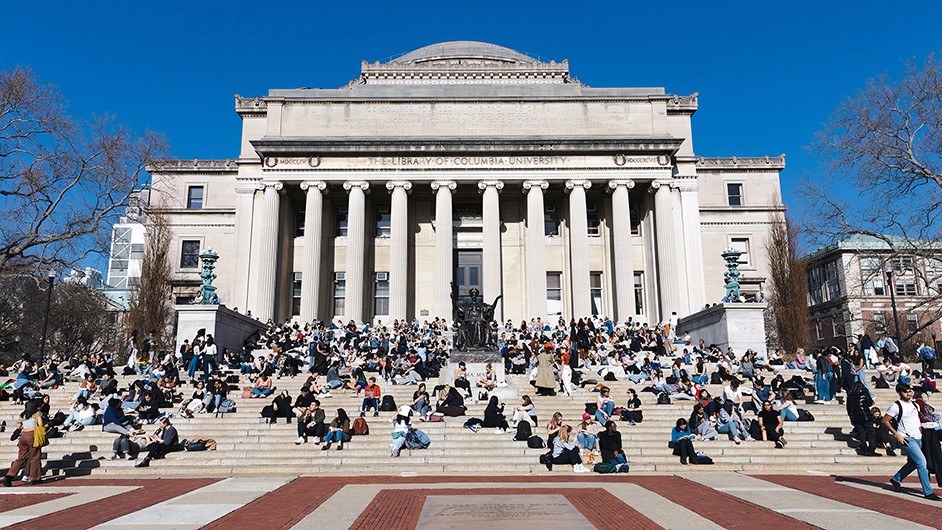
558,358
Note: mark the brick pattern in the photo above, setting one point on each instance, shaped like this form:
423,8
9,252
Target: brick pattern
283,507
14,502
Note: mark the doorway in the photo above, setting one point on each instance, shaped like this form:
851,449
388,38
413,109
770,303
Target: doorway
468,271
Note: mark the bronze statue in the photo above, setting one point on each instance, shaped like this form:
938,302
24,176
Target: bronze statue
473,322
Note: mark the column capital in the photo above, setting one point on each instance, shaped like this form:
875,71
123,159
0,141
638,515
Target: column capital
584,183
314,184
656,184
248,188
362,184
686,184
450,184
277,184
496,184
404,184
615,183
529,184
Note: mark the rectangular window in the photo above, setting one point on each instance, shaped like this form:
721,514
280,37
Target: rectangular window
905,287
902,264
554,293
912,323
741,244
299,222
595,291
594,225
870,265
137,251
879,322
639,292
734,194
381,293
296,295
383,224
635,213
194,197
875,287
340,292
837,327
341,222
551,220
818,329
190,255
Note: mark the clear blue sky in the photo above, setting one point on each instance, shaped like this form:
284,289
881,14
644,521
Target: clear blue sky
768,74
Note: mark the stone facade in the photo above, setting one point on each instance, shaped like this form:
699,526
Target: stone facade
333,207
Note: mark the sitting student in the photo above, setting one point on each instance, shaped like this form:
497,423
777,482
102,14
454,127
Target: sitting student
333,376
761,393
165,440
681,441
770,421
494,416
339,430
263,386
588,432
525,412
461,378
632,412
566,451
303,401
489,381
421,403
80,415
885,438
113,419
786,406
604,405
610,446
401,427
311,423
280,408
729,422
195,405
148,411
552,428
700,423
370,398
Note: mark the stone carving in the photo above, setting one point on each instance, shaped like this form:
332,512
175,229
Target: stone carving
473,322
276,184
621,160
404,184
484,184
207,289
362,184
585,184
749,162
315,184
195,164
527,184
681,102
450,184
615,183
731,255
250,104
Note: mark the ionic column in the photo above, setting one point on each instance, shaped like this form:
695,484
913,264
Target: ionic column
311,265
245,204
621,249
399,248
667,263
491,253
536,248
268,256
690,209
356,248
444,247
579,247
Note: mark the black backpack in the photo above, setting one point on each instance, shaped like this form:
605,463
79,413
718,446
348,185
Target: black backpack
535,442
523,432
388,404
610,377
663,399
715,379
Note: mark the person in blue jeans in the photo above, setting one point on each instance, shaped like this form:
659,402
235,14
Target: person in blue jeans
610,445
604,405
339,430
908,431
729,422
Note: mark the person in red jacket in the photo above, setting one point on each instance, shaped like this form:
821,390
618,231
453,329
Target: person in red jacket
370,398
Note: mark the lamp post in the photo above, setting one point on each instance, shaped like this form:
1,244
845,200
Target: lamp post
42,342
892,287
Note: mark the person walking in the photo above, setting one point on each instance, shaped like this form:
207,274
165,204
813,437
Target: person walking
26,446
907,430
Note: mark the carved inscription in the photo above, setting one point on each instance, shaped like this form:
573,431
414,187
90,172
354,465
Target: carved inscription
466,161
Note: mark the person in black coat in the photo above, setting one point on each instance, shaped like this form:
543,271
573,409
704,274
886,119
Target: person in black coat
610,445
858,410
494,415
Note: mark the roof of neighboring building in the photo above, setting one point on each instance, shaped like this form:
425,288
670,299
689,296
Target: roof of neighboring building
118,298
857,242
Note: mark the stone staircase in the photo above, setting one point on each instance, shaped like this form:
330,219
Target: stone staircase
247,445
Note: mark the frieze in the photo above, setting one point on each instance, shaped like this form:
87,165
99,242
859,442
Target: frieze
291,163
622,160
746,162
250,105
459,162
196,164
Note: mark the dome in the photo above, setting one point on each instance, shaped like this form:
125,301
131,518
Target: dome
464,49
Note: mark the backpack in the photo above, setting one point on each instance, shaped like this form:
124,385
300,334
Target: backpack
268,411
360,428
663,399
701,459
535,442
227,405
715,379
587,382
881,383
603,467
523,431
198,445
590,408
546,458
804,415
417,439
610,377
388,404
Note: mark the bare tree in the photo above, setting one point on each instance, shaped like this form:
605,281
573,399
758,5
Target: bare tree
62,182
788,300
151,309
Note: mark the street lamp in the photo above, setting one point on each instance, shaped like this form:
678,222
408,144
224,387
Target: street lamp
892,287
51,276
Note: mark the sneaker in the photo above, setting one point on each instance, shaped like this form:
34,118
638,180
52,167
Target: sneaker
890,452
362,414
933,497
78,427
376,414
300,440
579,468
897,487
114,456
737,440
779,444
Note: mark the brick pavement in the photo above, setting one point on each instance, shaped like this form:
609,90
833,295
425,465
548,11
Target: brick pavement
726,500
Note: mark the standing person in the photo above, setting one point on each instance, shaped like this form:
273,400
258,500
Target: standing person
822,379
927,355
545,379
858,410
32,419
209,357
908,432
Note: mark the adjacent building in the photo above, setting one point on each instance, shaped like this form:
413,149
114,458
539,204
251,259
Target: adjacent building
473,164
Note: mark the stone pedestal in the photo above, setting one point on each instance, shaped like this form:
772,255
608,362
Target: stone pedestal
740,325
228,328
475,362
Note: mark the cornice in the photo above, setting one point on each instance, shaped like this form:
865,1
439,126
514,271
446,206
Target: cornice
250,106
194,166
747,163
683,104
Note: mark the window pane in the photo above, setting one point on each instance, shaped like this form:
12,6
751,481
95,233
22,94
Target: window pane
194,199
734,194
639,292
472,276
190,255
553,280
742,245
635,218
